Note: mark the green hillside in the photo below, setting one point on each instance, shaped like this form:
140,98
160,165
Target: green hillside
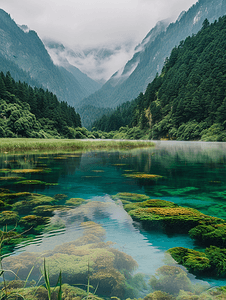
187,101
33,113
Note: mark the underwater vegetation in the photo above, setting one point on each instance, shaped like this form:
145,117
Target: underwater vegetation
33,182
75,202
212,262
171,219
106,264
130,197
28,171
214,234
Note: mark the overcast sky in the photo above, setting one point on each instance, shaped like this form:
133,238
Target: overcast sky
93,23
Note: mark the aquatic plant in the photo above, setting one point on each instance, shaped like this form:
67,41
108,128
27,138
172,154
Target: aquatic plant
149,177
214,234
8,217
59,197
170,279
47,210
32,221
159,295
130,197
149,203
28,171
75,202
32,200
11,178
171,219
212,262
34,182
196,262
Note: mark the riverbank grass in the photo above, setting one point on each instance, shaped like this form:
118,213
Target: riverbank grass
27,144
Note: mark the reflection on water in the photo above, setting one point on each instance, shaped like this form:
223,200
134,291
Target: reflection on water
193,174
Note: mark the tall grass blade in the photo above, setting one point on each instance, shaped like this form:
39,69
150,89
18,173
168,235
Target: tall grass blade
46,278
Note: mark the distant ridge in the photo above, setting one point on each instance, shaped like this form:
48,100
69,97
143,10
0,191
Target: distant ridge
145,63
23,50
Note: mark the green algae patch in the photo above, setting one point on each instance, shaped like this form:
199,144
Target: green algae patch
214,234
47,210
151,177
171,219
75,202
130,197
30,171
5,171
208,263
11,178
149,203
60,197
33,182
8,217
32,221
31,201
181,191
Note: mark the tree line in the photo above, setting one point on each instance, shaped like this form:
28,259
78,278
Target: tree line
34,112
187,101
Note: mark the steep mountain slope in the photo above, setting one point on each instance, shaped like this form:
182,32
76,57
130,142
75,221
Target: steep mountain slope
187,101
26,50
60,55
150,59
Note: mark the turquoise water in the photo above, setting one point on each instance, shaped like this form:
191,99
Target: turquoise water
194,176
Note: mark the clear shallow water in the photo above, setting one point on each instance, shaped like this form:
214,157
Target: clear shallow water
194,175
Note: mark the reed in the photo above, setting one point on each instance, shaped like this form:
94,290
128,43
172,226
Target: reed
28,144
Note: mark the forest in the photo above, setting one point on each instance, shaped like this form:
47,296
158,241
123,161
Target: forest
187,101
34,112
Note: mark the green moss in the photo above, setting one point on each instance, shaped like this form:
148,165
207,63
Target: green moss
75,202
8,217
11,178
170,280
150,203
196,262
131,197
159,295
211,263
47,210
214,234
171,219
29,171
9,197
60,197
31,201
32,221
144,177
34,182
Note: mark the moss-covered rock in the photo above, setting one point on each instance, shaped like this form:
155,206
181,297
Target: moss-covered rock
32,221
170,279
212,263
31,200
10,197
47,210
130,197
159,295
171,219
29,171
149,203
196,262
60,197
11,178
75,202
214,234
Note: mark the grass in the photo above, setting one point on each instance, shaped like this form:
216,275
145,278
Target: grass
22,144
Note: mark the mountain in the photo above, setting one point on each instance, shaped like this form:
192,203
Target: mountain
61,56
187,101
126,84
23,48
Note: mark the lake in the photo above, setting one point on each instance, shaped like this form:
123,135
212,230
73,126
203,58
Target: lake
194,175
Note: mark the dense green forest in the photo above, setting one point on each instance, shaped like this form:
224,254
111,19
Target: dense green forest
187,101
34,112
